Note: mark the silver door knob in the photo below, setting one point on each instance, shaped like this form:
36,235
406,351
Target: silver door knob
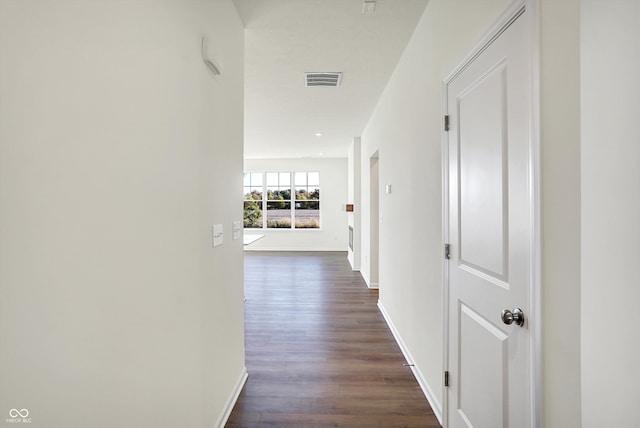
508,317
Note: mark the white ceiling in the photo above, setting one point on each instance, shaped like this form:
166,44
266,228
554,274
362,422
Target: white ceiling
286,38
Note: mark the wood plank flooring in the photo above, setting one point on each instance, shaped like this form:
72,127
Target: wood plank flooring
318,352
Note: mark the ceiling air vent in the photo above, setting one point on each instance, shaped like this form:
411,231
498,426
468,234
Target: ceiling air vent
369,6
322,79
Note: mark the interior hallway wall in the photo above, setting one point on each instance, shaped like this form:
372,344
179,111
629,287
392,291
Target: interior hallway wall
405,129
118,151
610,64
560,211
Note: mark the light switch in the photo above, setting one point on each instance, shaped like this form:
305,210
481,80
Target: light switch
236,230
218,234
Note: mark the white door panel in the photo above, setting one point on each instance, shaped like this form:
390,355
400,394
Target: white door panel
481,341
490,232
482,175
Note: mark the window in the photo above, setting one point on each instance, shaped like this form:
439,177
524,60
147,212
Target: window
307,211
291,200
253,205
278,200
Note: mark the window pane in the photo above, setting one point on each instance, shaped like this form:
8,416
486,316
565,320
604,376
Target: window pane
314,179
301,178
272,178
276,194
285,179
307,215
252,179
314,194
256,179
254,193
281,195
278,214
301,193
252,214
272,192
278,186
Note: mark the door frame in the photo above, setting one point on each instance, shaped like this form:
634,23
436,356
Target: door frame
513,11
374,220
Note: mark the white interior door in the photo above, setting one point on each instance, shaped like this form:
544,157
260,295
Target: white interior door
490,234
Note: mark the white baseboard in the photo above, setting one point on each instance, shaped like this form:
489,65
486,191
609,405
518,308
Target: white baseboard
373,285
228,408
428,392
365,276
250,249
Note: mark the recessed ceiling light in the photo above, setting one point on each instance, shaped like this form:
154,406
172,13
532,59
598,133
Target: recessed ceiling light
369,6
318,134
321,154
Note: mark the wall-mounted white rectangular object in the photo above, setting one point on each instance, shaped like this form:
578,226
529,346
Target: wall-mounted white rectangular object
218,234
236,229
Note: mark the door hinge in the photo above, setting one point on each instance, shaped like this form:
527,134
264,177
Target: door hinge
446,378
446,122
447,251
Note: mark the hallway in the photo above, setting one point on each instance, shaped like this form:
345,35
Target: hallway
319,352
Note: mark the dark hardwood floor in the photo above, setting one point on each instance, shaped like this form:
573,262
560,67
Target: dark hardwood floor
319,353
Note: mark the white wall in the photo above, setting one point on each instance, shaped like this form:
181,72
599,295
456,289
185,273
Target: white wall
354,177
333,234
610,60
590,204
560,211
118,150
406,131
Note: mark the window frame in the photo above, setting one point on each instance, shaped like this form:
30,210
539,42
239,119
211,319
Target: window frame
266,188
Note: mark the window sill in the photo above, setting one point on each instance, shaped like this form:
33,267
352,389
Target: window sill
282,229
